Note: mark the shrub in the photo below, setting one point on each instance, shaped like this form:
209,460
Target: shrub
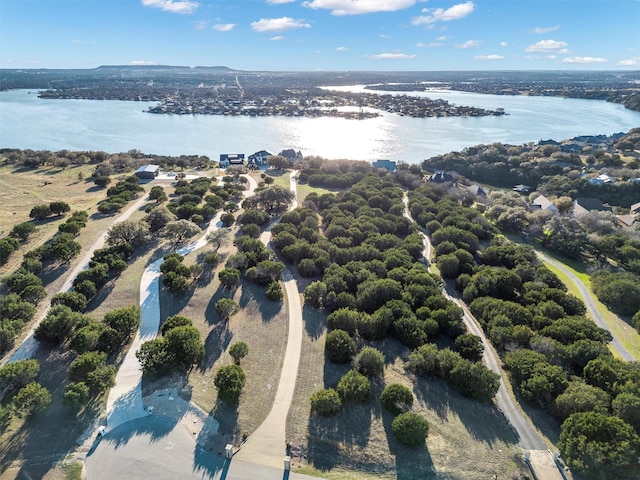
173,322
354,387
238,350
340,347
369,362
396,398
343,319
229,381
76,395
326,402
274,291
410,428
226,307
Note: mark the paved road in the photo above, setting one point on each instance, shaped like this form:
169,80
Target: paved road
267,445
29,346
587,297
528,437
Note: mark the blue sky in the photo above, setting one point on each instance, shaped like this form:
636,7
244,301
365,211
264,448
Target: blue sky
323,34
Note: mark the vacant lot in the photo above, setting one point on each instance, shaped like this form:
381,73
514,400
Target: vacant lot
466,439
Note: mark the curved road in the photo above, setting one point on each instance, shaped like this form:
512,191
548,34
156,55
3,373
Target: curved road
528,437
591,306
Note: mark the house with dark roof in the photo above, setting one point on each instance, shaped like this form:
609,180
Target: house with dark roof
147,172
291,155
441,177
228,159
635,209
582,206
388,165
259,158
476,190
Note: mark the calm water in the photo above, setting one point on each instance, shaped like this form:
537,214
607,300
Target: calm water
114,126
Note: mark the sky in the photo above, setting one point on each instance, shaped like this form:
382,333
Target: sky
323,35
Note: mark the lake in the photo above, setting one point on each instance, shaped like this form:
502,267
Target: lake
27,121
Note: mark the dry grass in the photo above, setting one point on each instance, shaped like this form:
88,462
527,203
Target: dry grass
467,439
261,323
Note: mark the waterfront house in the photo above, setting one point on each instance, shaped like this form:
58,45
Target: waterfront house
441,177
147,172
388,165
291,155
228,159
259,158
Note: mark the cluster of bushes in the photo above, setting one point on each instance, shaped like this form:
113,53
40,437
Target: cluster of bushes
26,287
557,358
177,276
120,194
179,348
40,212
355,387
230,379
620,291
334,174
257,264
189,196
20,393
105,264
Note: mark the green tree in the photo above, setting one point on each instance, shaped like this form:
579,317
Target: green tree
326,402
410,428
354,387
226,308
339,346
76,395
154,357
185,346
181,229
74,300
135,232
58,208
31,399
173,322
627,407
58,325
22,231
370,362
274,291
16,375
86,363
469,346
238,350
229,381
229,277
580,397
598,446
396,398
124,320
40,212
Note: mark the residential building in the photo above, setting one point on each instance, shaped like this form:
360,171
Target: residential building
259,158
147,172
228,159
582,206
291,155
388,165
543,203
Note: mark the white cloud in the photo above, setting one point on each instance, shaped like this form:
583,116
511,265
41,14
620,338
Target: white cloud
584,60
540,30
392,56
341,49
180,6
629,62
359,7
278,2
488,57
142,62
224,27
382,35
469,44
504,44
442,38
456,12
278,24
430,45
201,24
546,46
277,38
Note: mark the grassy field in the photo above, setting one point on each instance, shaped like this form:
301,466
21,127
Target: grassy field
466,439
